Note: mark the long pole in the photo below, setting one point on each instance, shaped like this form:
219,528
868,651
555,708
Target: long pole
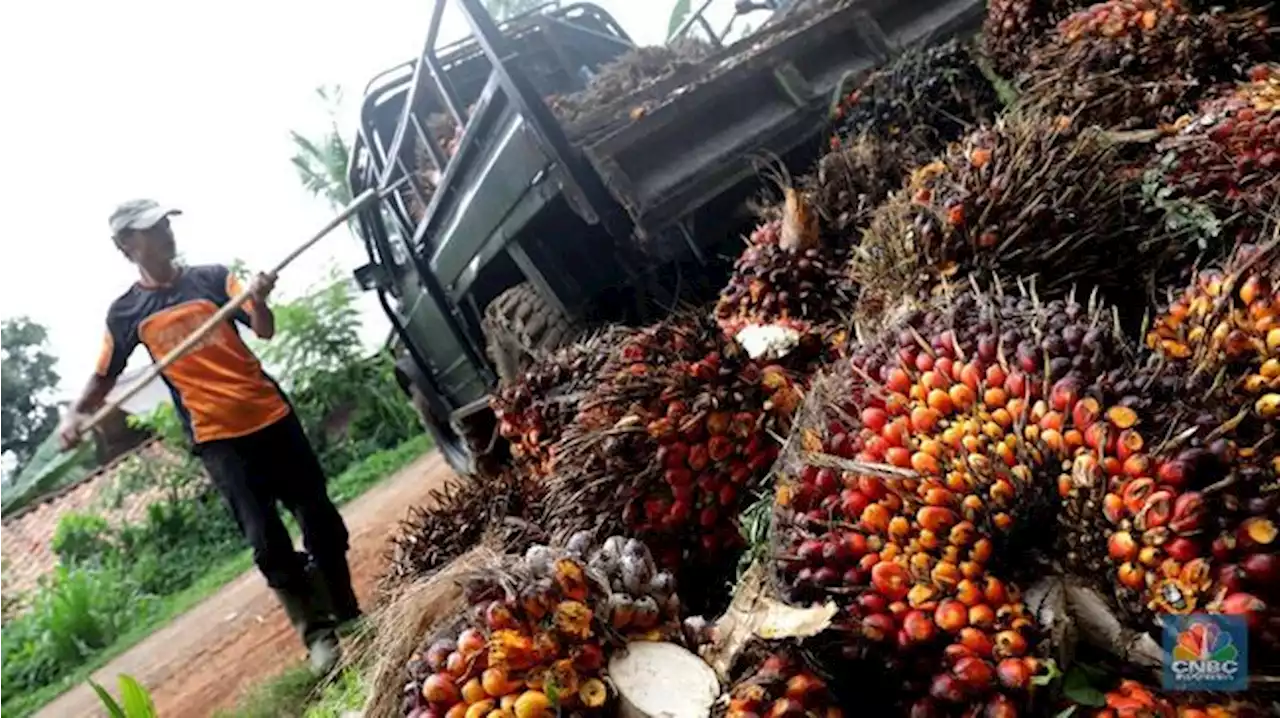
227,310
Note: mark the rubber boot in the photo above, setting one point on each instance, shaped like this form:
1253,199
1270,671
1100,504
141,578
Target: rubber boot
341,597
314,625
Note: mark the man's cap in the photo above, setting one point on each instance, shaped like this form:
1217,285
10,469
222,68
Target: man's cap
138,214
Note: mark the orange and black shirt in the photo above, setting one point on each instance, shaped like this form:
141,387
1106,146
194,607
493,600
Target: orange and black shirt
219,387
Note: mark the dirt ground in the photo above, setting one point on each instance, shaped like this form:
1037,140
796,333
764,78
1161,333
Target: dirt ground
239,637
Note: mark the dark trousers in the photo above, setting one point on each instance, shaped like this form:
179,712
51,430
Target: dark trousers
277,465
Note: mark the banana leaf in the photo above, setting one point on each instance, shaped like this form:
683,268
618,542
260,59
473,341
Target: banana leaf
49,469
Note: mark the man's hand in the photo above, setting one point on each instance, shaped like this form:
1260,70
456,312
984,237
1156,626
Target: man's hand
261,286
69,429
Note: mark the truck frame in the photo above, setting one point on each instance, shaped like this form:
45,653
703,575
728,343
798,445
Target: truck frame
537,228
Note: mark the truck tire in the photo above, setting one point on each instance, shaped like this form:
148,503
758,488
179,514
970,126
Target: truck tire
519,325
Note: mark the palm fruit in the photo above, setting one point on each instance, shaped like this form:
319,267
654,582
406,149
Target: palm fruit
851,180
669,445
1137,63
1186,472
936,456
1224,159
538,632
1131,699
1012,27
1026,197
926,97
781,685
498,508
786,287
533,410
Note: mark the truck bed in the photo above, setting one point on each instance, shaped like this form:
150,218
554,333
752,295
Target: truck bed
683,139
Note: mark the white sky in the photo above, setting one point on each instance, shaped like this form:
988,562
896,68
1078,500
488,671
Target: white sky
190,104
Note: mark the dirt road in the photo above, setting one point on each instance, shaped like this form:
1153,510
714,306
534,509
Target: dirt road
239,637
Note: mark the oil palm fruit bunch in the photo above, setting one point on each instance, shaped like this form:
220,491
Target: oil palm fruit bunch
533,410
1138,63
1189,482
1026,197
781,685
1012,27
1131,699
670,443
937,454
853,178
786,286
538,632
497,508
926,96
1225,158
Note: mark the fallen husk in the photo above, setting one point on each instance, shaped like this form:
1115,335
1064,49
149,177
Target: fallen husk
415,610
1028,197
1138,63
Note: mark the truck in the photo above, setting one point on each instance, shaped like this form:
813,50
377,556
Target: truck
520,230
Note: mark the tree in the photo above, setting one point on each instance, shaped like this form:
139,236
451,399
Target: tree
506,9
28,412
322,162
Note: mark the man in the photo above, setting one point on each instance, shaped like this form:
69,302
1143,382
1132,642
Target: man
240,423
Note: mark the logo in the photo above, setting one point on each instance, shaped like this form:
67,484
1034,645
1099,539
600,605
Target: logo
1206,652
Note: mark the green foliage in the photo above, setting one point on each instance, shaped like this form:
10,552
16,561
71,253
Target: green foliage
49,468
679,13
297,693
163,422
321,163
28,412
135,701
81,538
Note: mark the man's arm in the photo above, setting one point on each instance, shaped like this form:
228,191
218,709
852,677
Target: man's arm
91,398
261,319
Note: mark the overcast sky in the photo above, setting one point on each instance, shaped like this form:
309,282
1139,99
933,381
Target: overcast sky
191,104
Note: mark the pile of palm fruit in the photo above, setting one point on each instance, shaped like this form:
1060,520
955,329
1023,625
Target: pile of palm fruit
539,630
1137,63
971,350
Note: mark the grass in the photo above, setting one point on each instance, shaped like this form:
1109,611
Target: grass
296,693
348,485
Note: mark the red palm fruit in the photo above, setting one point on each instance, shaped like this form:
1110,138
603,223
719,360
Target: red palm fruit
982,616
898,381
728,494
1064,394
699,457
891,580
718,423
785,708
1099,436
1231,578
1188,512
1247,605
1085,412
674,455
802,685
969,593
826,481
1263,569
1016,385
872,603
1010,644
976,641
1135,494
1000,706
719,448
1014,673
874,418
936,518
954,652
1131,575
878,627
898,456
872,487
678,477
946,688
1113,508
874,519
1175,473
1128,443
1182,549
1121,547
852,503
1256,531
973,672
918,626
951,615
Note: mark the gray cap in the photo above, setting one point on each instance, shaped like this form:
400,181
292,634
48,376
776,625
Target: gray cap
139,214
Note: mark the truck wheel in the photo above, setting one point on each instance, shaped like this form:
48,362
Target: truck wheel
519,325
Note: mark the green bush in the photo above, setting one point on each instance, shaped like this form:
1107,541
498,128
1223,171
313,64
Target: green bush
82,538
